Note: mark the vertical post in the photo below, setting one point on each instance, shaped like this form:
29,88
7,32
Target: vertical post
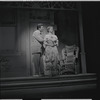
18,31
83,60
27,32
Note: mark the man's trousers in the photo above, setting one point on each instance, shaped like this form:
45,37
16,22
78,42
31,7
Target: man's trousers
38,63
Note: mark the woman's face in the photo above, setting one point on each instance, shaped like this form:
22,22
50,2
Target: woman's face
51,29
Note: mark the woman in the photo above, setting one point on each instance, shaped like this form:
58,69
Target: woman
51,53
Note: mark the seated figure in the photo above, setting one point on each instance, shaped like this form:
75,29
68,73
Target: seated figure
69,56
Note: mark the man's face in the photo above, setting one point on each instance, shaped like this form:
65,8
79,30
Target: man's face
42,28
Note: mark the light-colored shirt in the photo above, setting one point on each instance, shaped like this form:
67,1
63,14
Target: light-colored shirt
37,42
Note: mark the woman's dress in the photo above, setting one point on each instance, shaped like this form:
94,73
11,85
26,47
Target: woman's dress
51,55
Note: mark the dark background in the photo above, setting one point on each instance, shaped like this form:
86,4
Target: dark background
91,26
91,30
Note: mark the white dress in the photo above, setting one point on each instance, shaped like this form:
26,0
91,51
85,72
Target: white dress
51,54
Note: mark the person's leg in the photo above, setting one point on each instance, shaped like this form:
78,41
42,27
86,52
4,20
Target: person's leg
32,69
36,61
41,66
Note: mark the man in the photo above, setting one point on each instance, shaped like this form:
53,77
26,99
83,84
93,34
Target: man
37,42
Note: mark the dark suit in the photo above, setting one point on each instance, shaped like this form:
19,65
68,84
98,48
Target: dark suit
37,42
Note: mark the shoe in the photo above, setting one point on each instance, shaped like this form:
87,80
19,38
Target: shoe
35,75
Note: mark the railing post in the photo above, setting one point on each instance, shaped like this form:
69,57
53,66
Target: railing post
83,58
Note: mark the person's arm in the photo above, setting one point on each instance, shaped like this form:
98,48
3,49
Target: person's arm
38,36
56,41
45,42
